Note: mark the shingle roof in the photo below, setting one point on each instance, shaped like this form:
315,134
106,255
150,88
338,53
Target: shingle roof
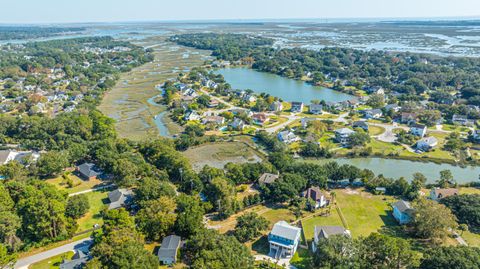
267,178
314,192
88,170
402,206
118,198
326,231
344,131
442,193
169,247
4,156
285,230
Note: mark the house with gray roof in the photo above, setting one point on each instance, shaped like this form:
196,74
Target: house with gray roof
79,259
283,239
342,136
119,198
167,253
87,171
267,178
324,232
402,211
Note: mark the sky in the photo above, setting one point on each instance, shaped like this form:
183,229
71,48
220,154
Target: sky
67,11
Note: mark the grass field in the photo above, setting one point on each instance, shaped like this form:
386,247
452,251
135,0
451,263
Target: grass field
363,212
98,200
375,130
220,153
53,262
128,103
78,184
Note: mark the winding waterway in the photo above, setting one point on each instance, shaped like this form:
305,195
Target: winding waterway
284,88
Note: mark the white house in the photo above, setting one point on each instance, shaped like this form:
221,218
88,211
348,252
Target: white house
276,106
237,124
316,109
287,137
316,195
427,143
418,130
297,107
324,232
373,113
192,115
283,240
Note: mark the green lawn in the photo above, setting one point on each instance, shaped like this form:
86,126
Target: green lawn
375,130
473,239
363,212
53,262
78,184
98,200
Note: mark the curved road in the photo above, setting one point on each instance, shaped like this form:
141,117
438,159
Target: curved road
27,261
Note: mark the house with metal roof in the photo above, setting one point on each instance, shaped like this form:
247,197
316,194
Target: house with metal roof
267,178
402,211
283,239
167,253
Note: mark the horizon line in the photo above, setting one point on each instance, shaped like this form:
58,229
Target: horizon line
258,20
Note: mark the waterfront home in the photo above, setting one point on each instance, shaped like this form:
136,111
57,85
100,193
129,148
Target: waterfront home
87,171
167,253
360,124
342,136
283,239
79,260
218,120
315,109
191,116
287,137
267,178
317,196
374,90
250,98
297,107
276,106
402,211
237,124
462,120
437,193
353,103
324,232
119,198
373,113
418,130
427,143
408,118
260,118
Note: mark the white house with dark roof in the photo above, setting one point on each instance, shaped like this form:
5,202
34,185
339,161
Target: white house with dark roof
317,196
167,253
324,232
402,211
297,107
283,239
287,137
418,130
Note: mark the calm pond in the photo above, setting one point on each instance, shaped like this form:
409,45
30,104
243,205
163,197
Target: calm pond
284,88
403,168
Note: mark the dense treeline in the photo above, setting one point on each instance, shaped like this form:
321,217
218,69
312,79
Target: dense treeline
27,32
227,46
405,73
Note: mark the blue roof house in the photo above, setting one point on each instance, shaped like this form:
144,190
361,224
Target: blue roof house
283,240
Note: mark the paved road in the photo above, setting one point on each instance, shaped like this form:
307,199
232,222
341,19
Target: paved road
27,261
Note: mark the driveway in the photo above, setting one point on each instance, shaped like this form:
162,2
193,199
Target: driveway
282,262
27,261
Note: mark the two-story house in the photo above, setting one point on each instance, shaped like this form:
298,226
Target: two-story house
283,239
418,130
